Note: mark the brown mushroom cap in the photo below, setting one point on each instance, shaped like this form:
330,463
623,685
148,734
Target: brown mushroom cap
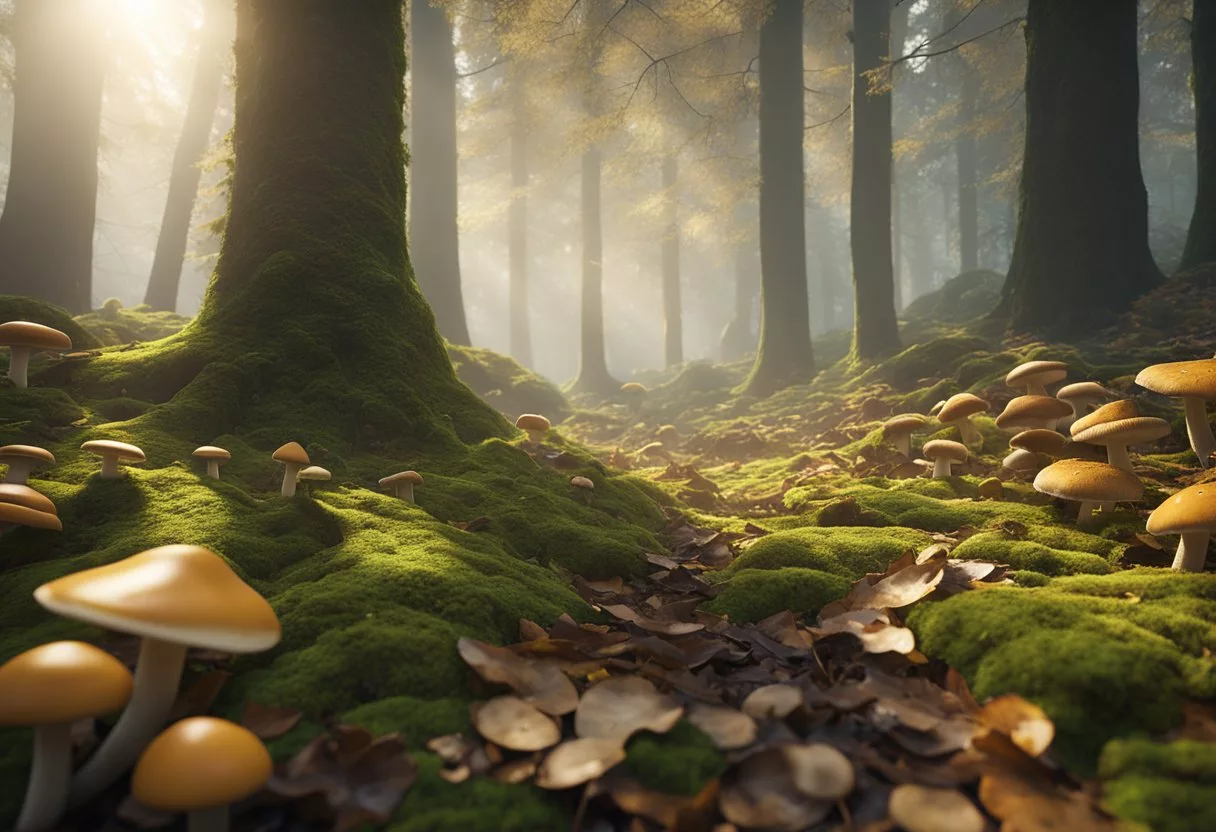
404,476
1182,379
1039,441
17,515
903,423
1026,410
960,406
1193,509
1088,481
1124,431
582,482
315,473
36,336
1111,412
61,682
26,452
212,452
183,594
200,763
532,421
1083,389
1037,372
1022,460
292,453
654,449
633,387
945,448
23,495
108,447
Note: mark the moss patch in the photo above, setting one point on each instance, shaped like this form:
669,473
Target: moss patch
1167,787
758,593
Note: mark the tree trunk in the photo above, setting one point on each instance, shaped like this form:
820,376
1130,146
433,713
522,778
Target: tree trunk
517,226
673,324
968,178
214,40
433,211
1082,252
46,231
784,356
875,331
899,33
593,375
738,339
1201,239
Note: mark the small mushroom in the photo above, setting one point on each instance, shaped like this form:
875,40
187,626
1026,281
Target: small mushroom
21,505
655,453
174,598
957,412
214,457
294,457
1022,461
1081,396
1195,383
1190,513
22,459
1036,375
202,766
585,486
403,484
24,339
1089,483
536,426
49,688
1121,433
1040,441
991,489
314,473
112,453
1032,411
634,393
944,453
898,431
937,408
668,435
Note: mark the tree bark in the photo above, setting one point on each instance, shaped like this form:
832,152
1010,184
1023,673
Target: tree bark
673,324
165,278
593,375
46,230
968,177
784,356
517,226
434,238
1201,238
1081,253
899,33
875,331
738,339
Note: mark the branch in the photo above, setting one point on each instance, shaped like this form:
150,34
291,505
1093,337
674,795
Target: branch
831,120
916,53
496,62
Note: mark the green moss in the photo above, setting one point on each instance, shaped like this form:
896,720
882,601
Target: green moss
480,804
20,308
35,415
681,761
507,385
1163,805
1025,577
112,325
1183,759
850,552
754,594
1028,555
414,720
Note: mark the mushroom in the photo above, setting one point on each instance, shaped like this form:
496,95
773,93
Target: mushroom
635,393
898,431
111,454
1190,513
21,459
1040,441
1117,435
1033,411
536,426
1081,396
21,505
957,412
49,688
668,435
1022,460
937,408
201,765
293,457
173,597
403,484
584,485
991,489
23,339
944,453
1036,375
655,452
314,473
1195,383
1089,483
214,457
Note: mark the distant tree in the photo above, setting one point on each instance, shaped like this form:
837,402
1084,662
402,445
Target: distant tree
1081,252
46,230
517,222
433,211
673,322
1201,239
966,156
215,38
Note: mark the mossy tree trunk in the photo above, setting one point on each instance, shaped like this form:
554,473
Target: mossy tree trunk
673,322
46,230
517,225
1081,252
433,234
214,40
1201,239
875,332
784,356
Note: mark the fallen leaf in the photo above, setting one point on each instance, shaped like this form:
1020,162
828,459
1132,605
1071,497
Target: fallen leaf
197,699
654,625
619,707
728,728
760,793
772,701
820,771
923,809
269,722
538,682
578,761
513,723
1024,723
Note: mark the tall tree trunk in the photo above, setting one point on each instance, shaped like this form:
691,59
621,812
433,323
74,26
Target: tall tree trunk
875,331
899,33
214,40
433,211
784,356
593,375
968,178
1082,239
46,230
1201,239
673,324
517,225
738,339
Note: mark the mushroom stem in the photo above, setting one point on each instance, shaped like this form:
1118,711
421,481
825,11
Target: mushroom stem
1036,390
941,467
969,434
19,471
1106,508
214,819
109,467
536,436
18,365
405,491
213,469
1198,429
1192,551
157,676
1117,456
903,443
46,795
1086,513
290,472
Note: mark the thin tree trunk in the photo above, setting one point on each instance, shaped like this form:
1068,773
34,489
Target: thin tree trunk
968,178
1201,239
593,375
46,231
1082,250
214,41
899,33
673,324
434,237
784,356
875,331
517,226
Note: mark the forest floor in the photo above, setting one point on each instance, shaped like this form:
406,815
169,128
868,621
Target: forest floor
727,563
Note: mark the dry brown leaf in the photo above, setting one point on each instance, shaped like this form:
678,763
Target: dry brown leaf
820,771
537,681
512,723
619,707
874,629
654,625
269,722
728,728
772,701
1028,806
578,761
197,699
1023,722
760,793
923,809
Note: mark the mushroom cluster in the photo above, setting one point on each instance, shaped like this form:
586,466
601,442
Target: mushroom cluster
23,339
